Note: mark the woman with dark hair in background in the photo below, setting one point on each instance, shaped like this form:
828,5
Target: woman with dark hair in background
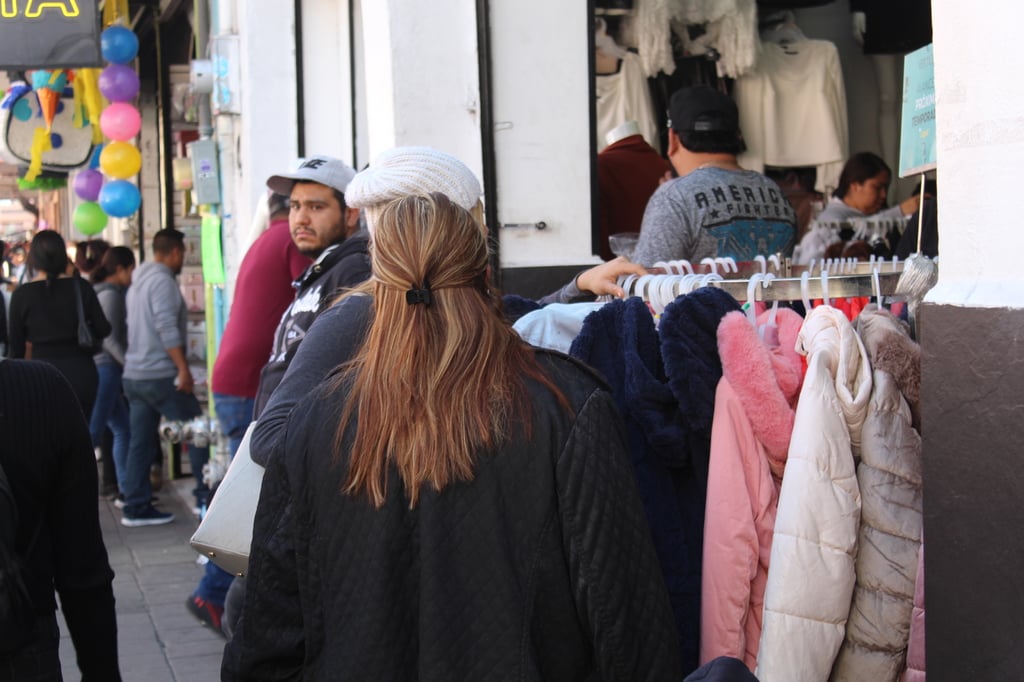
863,190
44,318
478,517
110,280
89,254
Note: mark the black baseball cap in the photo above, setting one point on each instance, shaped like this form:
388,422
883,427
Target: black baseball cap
701,109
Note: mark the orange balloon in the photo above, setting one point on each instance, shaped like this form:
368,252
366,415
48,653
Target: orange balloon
120,160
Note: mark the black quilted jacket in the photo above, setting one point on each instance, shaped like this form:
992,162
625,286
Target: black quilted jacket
541,568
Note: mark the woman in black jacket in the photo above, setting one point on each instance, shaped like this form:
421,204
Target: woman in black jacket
44,318
452,504
48,460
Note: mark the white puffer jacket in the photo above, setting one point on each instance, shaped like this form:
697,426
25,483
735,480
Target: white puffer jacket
889,475
811,571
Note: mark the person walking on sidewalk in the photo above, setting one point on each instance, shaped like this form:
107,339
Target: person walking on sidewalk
157,380
110,411
263,291
48,461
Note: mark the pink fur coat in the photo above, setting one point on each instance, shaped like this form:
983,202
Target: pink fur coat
749,442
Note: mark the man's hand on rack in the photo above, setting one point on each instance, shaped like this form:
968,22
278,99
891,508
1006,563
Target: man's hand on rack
602,280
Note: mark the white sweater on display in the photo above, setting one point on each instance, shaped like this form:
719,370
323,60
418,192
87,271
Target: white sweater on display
624,96
730,27
793,110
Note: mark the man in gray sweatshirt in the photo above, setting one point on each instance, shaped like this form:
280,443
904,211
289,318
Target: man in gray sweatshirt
714,208
157,380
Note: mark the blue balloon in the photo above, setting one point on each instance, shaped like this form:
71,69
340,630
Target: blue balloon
119,198
119,45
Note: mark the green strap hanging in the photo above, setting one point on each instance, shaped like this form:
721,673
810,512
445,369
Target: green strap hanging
213,261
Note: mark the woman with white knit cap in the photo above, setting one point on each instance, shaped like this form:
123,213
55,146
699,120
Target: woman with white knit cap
339,330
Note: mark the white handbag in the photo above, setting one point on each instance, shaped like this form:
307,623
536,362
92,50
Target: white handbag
225,533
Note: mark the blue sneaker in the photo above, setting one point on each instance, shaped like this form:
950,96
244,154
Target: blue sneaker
150,516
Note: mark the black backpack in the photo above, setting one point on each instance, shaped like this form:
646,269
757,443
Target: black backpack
17,617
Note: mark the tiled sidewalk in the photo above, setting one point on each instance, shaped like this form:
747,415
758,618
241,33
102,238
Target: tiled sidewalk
155,570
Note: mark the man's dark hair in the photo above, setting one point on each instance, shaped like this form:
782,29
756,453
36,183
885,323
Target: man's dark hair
861,167
167,240
337,194
712,142
277,204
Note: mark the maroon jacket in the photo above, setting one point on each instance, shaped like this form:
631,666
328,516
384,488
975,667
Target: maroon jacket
628,172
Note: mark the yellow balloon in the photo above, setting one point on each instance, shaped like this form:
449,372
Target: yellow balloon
120,160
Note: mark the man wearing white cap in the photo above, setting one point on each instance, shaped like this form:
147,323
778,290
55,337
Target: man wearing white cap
325,228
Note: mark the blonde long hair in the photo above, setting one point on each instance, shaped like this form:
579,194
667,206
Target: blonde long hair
440,375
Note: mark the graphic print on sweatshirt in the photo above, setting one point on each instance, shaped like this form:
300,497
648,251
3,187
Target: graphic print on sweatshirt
746,220
295,322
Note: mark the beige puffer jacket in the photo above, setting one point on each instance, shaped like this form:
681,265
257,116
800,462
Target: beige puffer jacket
889,475
811,571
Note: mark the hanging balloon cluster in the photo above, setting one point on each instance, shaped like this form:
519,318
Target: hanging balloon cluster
104,187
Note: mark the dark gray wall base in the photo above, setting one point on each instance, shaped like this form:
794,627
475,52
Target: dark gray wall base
973,430
537,282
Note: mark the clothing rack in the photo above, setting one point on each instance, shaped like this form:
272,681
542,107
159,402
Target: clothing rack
665,286
777,266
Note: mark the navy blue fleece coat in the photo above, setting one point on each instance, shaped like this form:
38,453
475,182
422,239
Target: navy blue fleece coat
664,385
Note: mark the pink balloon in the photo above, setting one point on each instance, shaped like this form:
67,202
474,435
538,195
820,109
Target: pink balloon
120,121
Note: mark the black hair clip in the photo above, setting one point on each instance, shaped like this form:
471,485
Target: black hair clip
419,295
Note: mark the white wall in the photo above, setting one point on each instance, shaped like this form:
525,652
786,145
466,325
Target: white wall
327,78
420,77
263,139
540,70
979,107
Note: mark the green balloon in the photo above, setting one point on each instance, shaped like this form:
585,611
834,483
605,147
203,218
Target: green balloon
89,218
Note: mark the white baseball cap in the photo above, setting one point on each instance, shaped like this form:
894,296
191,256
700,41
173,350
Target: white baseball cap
324,170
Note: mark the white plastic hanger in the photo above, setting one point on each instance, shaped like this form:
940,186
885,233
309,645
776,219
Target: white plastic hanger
707,279
628,283
824,288
752,285
711,263
684,265
805,290
728,264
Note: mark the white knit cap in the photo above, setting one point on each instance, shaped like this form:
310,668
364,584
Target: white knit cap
405,171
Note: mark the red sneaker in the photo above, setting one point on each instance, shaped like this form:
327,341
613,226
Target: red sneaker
207,613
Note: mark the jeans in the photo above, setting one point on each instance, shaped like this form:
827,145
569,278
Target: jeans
234,414
148,399
110,410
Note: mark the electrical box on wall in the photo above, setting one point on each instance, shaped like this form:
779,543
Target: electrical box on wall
205,171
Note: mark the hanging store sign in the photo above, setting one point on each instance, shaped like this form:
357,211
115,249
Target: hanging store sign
49,34
917,136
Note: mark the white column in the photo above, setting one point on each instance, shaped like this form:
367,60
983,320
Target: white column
267,134
420,74
327,78
979,109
